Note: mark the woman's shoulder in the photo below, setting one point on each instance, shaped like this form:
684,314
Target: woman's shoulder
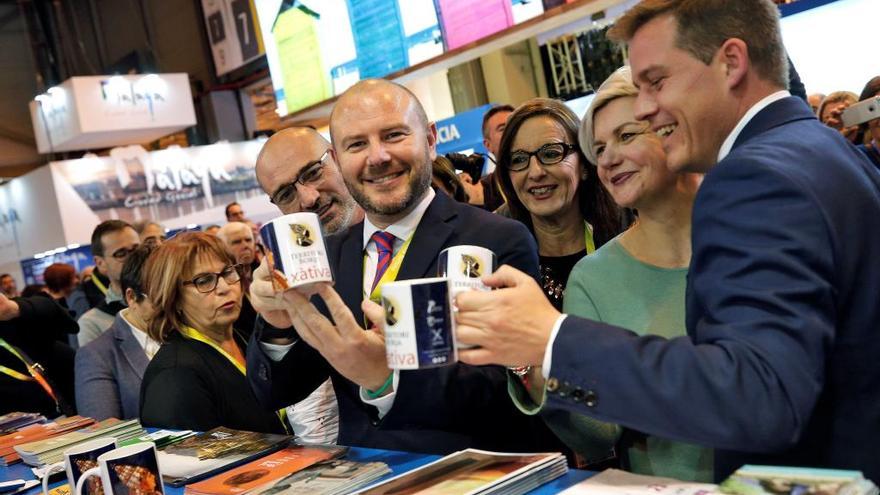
177,351
610,254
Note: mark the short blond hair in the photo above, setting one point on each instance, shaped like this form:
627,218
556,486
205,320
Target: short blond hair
166,269
704,25
618,85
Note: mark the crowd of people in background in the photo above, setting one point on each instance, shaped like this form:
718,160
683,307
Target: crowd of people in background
675,260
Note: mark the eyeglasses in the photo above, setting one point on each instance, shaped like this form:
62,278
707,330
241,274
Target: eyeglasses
122,253
207,282
549,154
311,173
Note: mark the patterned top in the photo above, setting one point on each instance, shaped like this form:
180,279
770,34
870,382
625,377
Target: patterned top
554,275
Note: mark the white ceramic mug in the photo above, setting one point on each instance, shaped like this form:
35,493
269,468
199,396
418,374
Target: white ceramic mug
83,457
464,266
419,328
295,247
131,470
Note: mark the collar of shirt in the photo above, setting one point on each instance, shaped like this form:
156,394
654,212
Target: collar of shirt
149,345
744,121
112,295
403,227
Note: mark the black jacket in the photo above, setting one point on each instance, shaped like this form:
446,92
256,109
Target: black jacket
34,332
189,385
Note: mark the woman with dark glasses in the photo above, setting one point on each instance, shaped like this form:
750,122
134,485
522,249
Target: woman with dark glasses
197,379
550,188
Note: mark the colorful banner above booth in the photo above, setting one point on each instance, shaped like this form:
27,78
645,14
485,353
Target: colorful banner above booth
175,186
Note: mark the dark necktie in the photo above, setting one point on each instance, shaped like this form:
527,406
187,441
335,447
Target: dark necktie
385,247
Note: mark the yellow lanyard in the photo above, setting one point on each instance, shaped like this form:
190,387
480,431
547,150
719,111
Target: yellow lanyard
192,333
391,272
588,238
33,369
15,374
101,287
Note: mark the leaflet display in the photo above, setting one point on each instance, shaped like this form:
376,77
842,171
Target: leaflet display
317,49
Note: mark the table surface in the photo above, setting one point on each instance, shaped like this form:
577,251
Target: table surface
399,462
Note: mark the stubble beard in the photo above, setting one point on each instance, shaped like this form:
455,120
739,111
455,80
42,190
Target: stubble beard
416,187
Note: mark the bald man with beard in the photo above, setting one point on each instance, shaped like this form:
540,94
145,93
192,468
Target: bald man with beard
298,173
384,145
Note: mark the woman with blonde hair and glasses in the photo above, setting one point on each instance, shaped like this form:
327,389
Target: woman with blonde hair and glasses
636,280
197,379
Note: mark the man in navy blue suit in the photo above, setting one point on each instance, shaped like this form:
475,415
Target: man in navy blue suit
384,145
783,300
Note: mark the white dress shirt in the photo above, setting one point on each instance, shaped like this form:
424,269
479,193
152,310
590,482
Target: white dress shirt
150,346
726,146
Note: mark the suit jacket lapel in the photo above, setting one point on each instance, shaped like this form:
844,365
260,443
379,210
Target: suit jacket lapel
350,275
435,227
130,348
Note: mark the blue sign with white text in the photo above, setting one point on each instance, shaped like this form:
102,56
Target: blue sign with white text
462,132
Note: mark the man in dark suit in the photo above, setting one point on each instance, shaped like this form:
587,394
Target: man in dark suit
384,145
783,298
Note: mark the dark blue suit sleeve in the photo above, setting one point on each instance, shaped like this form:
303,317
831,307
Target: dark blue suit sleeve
280,384
762,318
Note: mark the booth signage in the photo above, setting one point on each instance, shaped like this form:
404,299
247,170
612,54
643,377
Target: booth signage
462,133
105,111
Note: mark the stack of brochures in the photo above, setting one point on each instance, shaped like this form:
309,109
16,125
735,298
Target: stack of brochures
784,480
334,477
15,420
51,450
262,473
206,454
477,472
34,432
617,482
162,438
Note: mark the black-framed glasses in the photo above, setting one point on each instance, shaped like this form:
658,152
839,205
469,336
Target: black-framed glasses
207,282
548,154
310,174
122,253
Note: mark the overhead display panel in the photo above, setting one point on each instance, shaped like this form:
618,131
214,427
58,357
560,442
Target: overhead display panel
233,33
317,49
304,79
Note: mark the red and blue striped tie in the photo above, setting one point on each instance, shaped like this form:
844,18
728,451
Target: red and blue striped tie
385,247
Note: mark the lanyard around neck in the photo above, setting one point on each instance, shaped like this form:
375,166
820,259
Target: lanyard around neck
588,238
391,272
34,369
101,287
192,333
